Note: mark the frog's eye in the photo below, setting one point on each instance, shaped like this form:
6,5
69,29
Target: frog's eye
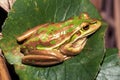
85,27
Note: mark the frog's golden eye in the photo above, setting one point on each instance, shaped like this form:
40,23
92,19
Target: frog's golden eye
85,27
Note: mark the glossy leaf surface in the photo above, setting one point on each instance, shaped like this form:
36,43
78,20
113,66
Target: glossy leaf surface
110,69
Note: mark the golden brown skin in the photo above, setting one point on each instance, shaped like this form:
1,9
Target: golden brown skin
52,43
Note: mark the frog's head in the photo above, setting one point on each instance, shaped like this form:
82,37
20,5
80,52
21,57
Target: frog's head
89,28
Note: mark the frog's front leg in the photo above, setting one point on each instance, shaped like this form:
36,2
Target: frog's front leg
43,57
73,48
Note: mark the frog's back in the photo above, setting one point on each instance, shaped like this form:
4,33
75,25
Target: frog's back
51,35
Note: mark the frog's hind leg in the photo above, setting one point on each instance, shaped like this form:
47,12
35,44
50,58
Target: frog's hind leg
43,57
75,48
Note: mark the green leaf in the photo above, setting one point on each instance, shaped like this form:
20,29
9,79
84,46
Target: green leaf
110,69
26,14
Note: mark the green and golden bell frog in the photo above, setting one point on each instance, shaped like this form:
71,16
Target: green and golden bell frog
53,43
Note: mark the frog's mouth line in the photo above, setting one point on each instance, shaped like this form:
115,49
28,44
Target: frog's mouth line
88,35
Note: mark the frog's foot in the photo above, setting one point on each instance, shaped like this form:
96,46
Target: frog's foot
75,48
43,57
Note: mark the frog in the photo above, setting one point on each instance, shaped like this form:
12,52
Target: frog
53,43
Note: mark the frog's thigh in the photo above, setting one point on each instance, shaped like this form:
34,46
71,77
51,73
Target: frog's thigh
43,57
73,48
